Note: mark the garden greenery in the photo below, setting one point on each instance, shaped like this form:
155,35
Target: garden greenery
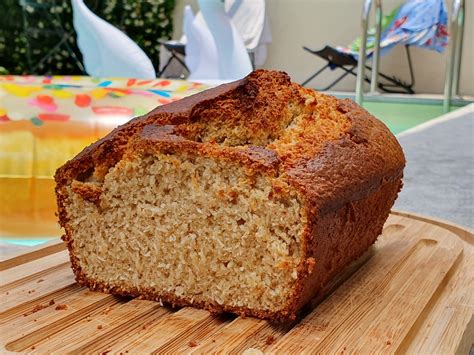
37,36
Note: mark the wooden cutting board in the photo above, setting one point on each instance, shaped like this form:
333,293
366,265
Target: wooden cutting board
412,292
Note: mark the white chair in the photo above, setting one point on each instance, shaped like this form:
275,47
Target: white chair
107,51
215,50
251,20
188,20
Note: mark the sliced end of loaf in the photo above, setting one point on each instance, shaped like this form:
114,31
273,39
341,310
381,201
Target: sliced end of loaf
189,229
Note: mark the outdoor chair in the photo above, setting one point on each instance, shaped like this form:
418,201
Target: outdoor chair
348,64
414,24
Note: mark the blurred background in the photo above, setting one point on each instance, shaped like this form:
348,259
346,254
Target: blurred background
38,37
315,23
37,26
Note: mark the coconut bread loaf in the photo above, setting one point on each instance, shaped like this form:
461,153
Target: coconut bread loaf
246,198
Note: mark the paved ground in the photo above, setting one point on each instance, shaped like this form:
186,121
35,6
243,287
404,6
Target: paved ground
439,176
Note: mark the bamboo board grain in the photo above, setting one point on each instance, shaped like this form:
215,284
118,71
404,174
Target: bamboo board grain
413,292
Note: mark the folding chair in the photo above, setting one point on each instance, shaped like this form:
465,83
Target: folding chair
348,64
176,49
414,23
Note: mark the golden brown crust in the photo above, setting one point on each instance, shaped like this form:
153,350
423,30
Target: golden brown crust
344,164
349,168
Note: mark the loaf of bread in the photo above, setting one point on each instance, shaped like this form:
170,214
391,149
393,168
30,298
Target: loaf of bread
246,198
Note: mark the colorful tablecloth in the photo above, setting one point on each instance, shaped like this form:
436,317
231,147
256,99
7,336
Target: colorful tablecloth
78,98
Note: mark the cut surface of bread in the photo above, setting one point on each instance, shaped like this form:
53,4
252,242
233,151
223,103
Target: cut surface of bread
246,198
181,223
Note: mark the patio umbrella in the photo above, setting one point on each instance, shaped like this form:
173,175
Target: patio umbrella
420,23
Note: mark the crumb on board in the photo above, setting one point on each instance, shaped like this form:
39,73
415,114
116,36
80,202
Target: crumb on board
33,347
107,310
39,281
7,293
389,342
35,309
99,326
51,302
192,344
270,339
61,307
31,291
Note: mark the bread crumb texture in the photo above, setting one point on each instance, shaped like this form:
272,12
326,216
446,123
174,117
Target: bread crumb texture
177,224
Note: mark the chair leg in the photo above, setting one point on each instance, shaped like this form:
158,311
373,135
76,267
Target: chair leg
181,62
397,83
394,82
410,66
173,57
315,75
347,72
403,89
165,67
